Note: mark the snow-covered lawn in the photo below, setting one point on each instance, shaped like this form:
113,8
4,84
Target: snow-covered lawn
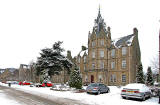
112,98
4,100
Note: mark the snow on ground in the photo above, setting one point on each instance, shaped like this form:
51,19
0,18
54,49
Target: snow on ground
112,98
4,100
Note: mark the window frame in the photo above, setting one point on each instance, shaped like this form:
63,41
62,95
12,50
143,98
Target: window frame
113,53
123,78
84,59
124,63
93,54
101,42
101,53
93,43
93,66
101,65
113,65
124,51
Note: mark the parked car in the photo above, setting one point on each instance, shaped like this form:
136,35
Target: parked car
12,82
154,89
25,83
20,83
48,84
97,88
136,90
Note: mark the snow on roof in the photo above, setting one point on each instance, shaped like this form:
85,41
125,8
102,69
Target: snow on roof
120,41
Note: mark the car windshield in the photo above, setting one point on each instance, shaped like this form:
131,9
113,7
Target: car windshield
93,85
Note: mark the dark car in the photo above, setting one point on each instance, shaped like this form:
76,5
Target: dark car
97,88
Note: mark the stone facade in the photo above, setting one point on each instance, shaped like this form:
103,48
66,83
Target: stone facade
112,62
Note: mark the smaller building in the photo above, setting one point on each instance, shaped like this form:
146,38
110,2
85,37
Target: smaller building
9,74
26,73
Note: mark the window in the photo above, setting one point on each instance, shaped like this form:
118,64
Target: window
101,65
113,52
123,78
93,54
84,59
112,65
123,63
93,65
113,78
93,43
102,42
124,50
101,53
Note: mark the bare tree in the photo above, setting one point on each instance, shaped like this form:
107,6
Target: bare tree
155,64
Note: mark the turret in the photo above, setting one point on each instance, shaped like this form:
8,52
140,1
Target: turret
135,31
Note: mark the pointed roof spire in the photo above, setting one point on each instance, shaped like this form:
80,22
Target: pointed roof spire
99,9
99,23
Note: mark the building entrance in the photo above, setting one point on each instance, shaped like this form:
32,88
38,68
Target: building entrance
92,79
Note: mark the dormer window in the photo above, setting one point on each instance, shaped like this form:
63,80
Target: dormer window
124,50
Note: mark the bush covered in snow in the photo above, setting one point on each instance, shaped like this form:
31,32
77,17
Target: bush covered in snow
75,80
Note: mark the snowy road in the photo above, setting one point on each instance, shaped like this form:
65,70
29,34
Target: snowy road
72,98
24,98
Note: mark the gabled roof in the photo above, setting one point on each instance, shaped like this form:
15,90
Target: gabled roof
127,40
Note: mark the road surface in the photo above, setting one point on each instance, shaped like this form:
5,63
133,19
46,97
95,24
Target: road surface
29,99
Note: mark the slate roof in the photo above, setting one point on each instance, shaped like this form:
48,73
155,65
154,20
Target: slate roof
123,40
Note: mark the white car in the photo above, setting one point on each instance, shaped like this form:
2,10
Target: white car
136,90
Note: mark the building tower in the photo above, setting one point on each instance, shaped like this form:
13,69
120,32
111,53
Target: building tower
108,61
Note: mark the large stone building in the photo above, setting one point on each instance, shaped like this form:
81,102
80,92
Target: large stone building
112,62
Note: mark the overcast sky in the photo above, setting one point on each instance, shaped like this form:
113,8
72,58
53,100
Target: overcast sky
27,26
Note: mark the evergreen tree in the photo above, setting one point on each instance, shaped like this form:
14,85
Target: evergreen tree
75,80
52,60
140,74
149,77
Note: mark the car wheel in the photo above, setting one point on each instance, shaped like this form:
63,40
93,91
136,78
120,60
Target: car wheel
108,91
98,92
143,98
123,97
